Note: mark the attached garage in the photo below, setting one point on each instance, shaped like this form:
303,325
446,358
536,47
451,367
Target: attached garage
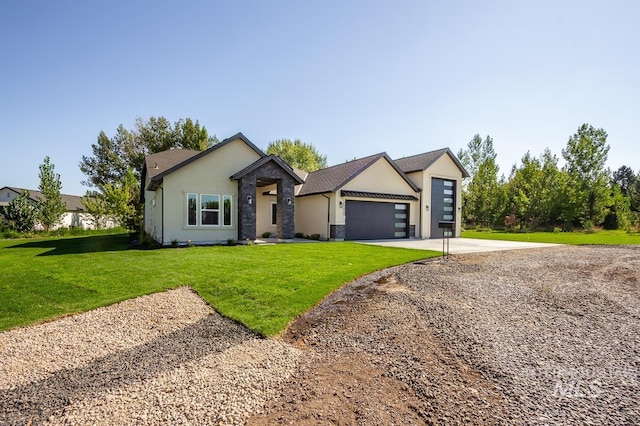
369,220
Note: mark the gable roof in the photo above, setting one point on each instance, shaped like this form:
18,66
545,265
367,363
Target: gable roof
420,162
333,178
73,202
279,161
157,166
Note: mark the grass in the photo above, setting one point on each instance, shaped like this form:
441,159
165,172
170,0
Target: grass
262,286
573,238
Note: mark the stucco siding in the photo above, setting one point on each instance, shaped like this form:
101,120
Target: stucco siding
311,215
380,177
206,175
263,211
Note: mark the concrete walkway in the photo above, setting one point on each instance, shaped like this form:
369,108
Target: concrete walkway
459,245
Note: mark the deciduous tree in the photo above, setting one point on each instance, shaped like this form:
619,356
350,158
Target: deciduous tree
586,154
20,214
50,206
298,154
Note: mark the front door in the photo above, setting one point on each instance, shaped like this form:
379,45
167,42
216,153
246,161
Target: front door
443,206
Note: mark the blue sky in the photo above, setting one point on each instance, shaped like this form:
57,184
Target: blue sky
351,77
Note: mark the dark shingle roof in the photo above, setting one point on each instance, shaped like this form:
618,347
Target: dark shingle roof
165,160
420,162
73,202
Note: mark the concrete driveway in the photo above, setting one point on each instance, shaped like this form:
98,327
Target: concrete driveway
459,245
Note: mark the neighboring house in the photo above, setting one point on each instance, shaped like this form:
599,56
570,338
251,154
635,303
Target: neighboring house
74,216
234,191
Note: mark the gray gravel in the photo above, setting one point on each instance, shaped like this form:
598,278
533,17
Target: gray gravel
166,358
544,336
556,330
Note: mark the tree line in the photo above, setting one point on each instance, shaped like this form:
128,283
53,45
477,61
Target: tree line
540,195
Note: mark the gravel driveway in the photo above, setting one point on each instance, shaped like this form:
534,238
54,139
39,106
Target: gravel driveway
544,336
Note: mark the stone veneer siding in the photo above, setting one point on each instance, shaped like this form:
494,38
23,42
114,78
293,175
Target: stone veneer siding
247,214
337,232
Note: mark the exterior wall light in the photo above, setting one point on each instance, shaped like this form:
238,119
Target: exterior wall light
427,207
289,201
340,204
249,199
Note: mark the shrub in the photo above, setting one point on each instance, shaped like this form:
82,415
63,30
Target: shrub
266,234
314,236
556,230
588,227
299,235
231,242
174,243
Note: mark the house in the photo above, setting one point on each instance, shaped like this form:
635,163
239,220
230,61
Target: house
74,216
234,191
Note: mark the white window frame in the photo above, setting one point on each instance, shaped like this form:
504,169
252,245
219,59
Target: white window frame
197,209
203,210
230,198
222,198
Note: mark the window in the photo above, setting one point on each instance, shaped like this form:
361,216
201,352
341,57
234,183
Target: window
226,205
448,183
274,214
210,209
206,210
192,209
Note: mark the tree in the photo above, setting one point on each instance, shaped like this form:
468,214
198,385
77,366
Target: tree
586,155
298,154
50,206
114,201
625,178
20,214
109,160
482,195
97,207
535,190
114,157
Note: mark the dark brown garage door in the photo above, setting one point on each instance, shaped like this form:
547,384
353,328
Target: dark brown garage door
368,220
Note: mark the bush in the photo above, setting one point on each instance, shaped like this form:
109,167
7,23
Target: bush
231,242
299,235
266,234
314,236
174,243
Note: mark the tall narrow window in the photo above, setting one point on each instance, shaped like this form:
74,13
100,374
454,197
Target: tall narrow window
274,213
210,209
192,209
226,205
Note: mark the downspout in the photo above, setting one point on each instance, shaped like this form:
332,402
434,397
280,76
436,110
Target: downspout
421,216
328,216
162,213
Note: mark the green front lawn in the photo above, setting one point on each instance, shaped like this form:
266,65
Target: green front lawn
262,286
573,238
